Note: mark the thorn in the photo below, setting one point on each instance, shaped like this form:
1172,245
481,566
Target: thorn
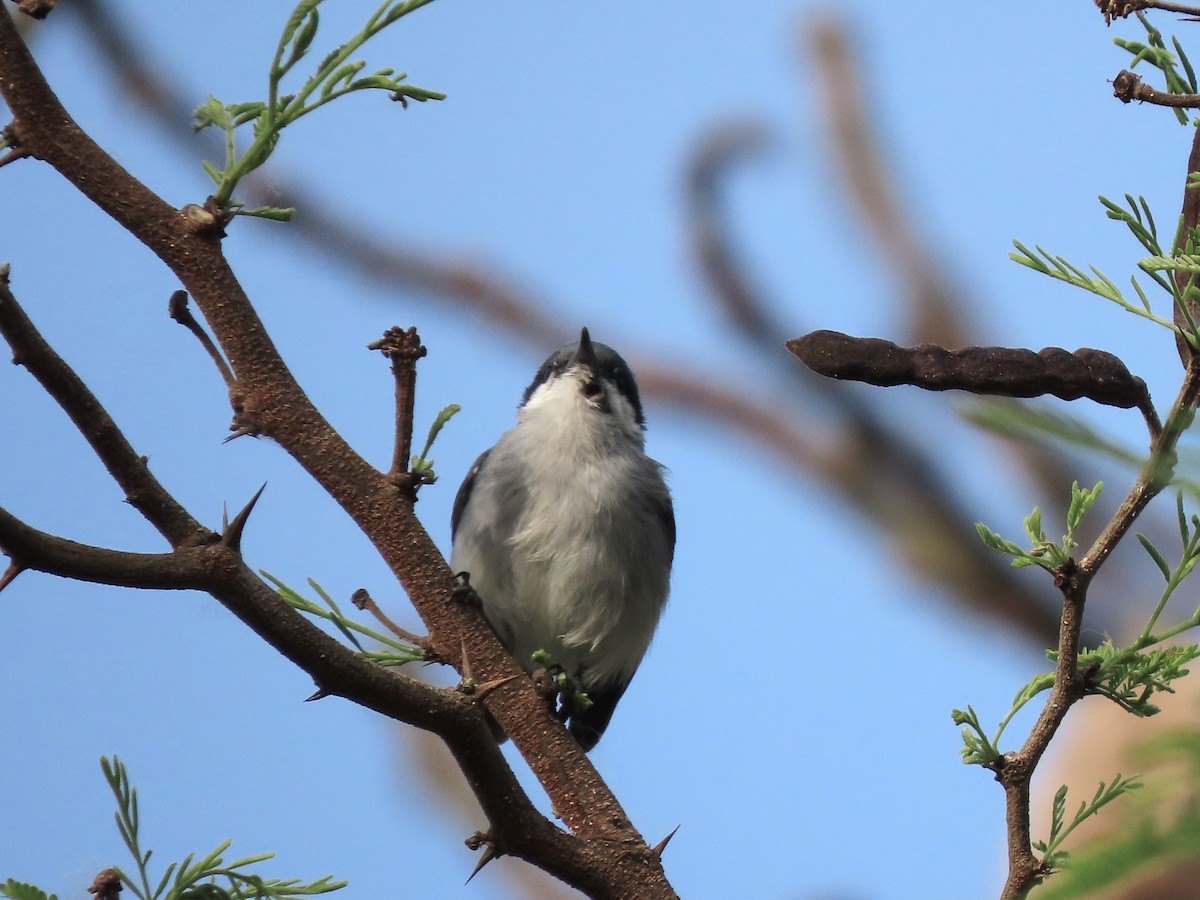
485,840
241,432
231,534
489,853
488,686
14,154
319,694
10,574
467,682
658,848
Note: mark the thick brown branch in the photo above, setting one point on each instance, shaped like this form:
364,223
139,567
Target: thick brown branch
128,469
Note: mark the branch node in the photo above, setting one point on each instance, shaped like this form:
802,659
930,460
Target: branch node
231,532
208,220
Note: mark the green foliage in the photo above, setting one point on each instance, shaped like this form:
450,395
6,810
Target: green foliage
1163,825
1159,267
422,467
1052,857
334,77
19,890
1044,552
1154,51
397,653
193,879
1129,676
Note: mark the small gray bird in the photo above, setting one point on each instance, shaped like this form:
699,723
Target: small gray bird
566,530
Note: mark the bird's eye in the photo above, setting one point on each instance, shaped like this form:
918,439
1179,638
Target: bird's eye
592,389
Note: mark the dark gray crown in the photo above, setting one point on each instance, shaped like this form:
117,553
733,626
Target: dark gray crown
607,364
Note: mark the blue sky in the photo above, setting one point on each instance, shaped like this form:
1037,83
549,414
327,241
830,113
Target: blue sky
793,714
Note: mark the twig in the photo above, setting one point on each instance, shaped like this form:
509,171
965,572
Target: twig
363,600
177,309
1128,87
403,348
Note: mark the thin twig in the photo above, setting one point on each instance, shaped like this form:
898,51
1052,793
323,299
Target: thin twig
177,309
364,601
403,348
1128,87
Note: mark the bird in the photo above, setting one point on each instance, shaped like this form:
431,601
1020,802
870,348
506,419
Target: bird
565,531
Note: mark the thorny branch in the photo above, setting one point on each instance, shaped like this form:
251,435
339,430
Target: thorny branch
604,856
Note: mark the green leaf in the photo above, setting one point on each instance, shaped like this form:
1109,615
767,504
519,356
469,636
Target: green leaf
275,213
213,172
302,11
19,890
1082,501
211,112
1155,555
1033,526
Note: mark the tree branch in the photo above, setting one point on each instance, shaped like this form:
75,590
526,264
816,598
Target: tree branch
1128,87
613,860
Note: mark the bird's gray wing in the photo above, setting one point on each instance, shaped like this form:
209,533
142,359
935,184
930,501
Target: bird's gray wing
463,497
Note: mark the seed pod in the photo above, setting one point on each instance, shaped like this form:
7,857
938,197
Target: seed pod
1002,371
